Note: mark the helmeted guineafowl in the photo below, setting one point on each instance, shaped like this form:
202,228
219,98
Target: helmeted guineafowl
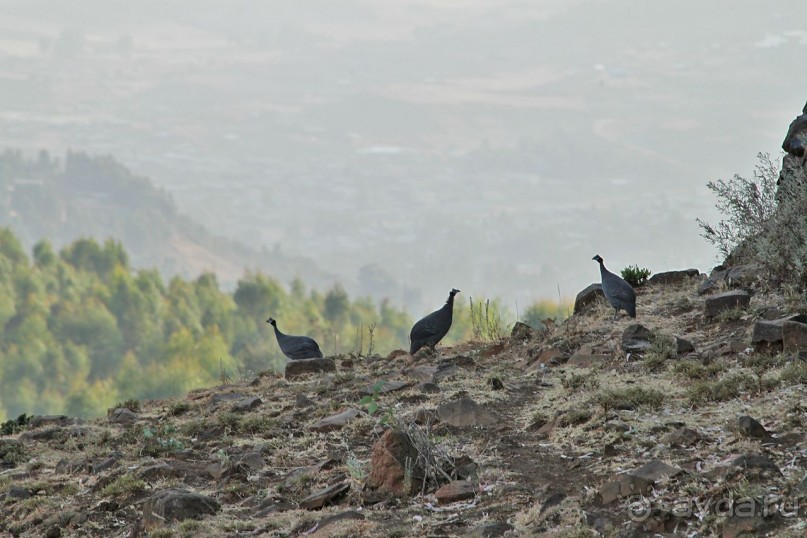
617,291
296,347
431,329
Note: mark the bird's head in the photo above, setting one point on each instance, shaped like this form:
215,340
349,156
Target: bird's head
453,292
597,258
272,322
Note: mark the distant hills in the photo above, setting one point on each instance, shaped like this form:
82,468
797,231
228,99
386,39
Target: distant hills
95,196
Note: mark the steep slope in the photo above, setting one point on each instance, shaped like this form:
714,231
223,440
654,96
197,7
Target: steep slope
568,430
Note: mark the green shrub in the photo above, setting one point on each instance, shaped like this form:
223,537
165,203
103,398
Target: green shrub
764,222
635,276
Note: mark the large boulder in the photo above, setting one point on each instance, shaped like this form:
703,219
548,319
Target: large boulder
673,277
769,331
590,294
391,455
795,142
726,301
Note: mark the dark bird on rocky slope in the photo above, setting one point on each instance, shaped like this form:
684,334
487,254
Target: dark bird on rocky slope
431,329
617,291
296,347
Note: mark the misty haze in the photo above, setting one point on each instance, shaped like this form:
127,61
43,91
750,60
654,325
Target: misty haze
403,268
405,148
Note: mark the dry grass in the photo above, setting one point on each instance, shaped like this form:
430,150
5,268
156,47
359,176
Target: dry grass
518,470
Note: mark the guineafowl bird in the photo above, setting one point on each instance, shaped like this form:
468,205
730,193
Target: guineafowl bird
431,329
296,347
618,292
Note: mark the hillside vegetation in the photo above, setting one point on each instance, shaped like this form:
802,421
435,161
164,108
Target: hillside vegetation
96,196
82,329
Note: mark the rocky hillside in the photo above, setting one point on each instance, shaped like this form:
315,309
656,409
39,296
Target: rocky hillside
689,423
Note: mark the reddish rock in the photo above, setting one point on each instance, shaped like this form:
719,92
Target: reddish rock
388,464
458,490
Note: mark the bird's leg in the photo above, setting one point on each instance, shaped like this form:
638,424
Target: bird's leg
616,311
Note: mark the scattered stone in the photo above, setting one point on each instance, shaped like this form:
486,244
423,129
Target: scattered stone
105,464
616,426
53,532
726,301
303,367
682,437
465,412
320,498
589,295
794,336
458,490
521,331
247,404
756,461
160,471
216,470
655,469
251,460
636,339
749,427
18,492
388,386
428,388
272,506
422,373
446,371
637,482
625,486
301,400
466,469
170,505
683,346
426,416
547,357
122,415
344,516
491,530
334,422
390,455
712,283
394,354
673,277
770,331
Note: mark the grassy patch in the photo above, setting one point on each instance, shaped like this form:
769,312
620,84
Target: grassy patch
662,349
794,373
126,484
179,408
695,370
575,381
629,398
724,388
